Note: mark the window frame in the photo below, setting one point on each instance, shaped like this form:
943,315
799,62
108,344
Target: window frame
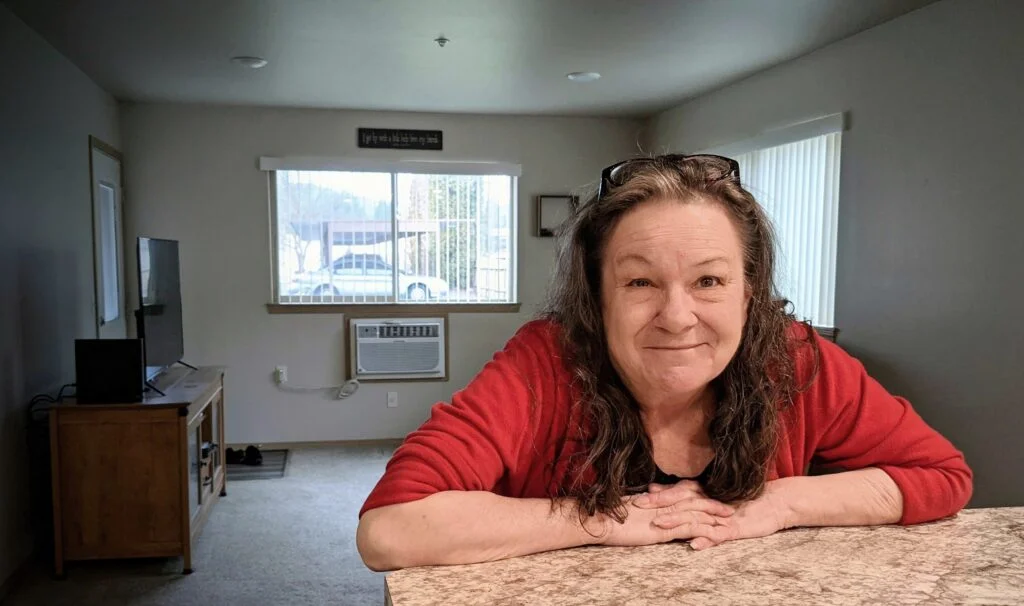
271,165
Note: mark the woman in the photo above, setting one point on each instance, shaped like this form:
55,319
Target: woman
665,395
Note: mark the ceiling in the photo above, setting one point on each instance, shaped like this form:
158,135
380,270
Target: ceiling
505,56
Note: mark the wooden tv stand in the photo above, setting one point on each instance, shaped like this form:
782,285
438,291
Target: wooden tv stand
138,479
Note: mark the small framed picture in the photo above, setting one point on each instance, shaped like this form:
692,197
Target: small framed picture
552,211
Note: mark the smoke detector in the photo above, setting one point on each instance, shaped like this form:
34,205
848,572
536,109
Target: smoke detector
250,62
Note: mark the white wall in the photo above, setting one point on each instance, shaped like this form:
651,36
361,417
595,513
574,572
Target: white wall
191,175
48,109
929,286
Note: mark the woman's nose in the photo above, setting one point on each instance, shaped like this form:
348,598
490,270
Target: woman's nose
678,310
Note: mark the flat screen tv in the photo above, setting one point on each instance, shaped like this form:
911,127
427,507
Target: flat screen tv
159,315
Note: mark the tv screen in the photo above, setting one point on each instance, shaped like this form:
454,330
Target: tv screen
159,304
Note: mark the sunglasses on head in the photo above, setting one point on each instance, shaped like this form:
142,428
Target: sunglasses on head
614,175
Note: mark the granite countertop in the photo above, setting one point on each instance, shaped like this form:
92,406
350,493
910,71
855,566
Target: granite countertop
976,557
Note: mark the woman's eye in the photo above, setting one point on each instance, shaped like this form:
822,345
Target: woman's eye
640,283
709,282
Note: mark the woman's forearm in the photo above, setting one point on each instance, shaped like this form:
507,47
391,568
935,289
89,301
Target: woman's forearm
865,497
459,527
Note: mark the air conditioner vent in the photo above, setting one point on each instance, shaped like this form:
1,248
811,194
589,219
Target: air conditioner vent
390,349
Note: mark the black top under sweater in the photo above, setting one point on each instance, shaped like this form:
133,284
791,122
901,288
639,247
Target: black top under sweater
660,477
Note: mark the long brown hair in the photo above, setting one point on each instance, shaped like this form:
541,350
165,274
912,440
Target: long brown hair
750,391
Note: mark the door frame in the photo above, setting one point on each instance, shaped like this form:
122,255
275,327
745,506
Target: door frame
97,144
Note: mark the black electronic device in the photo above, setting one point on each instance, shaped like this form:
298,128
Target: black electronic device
109,371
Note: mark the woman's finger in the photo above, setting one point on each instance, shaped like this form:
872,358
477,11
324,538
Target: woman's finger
660,487
672,520
668,496
692,531
715,508
701,543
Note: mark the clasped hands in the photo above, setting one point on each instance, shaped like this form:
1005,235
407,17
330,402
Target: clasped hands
683,512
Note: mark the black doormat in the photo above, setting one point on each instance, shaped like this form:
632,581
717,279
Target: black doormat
274,462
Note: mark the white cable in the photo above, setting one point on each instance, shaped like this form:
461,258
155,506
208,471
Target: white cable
343,391
285,386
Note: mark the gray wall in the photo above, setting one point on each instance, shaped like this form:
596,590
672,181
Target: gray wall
48,109
929,287
192,175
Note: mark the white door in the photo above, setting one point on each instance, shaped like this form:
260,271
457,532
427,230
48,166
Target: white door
108,241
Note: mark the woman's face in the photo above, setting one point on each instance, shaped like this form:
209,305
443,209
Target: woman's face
673,297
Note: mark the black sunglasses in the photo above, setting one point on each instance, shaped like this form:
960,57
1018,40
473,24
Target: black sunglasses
613,176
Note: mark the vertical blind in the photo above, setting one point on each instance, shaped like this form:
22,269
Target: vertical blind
798,185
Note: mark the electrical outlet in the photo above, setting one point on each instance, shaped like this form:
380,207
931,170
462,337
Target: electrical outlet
392,399
281,374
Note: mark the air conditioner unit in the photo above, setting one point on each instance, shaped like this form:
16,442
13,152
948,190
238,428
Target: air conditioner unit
386,349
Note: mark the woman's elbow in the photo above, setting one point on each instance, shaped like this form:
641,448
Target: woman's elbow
962,482
958,483
375,541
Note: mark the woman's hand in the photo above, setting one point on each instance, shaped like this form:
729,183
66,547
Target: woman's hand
693,516
759,517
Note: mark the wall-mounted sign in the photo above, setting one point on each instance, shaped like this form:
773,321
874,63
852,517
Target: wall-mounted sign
400,138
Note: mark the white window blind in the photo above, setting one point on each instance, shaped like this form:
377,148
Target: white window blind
798,185
363,231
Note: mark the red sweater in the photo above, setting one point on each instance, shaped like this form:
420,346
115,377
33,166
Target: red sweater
501,433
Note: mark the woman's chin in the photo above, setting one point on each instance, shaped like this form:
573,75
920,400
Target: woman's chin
682,380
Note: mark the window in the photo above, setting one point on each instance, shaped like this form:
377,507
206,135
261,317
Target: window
794,174
408,233
108,270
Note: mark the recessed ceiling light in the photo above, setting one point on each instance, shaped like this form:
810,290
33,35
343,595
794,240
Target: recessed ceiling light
250,62
583,76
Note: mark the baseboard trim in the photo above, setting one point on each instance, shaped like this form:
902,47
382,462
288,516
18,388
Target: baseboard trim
320,444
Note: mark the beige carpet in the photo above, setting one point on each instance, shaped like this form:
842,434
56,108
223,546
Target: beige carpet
275,542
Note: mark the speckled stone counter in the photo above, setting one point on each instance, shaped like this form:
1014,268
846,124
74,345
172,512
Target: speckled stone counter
975,558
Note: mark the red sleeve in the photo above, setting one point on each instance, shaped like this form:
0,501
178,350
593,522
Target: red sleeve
855,423
469,444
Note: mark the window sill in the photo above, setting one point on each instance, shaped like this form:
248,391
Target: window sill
828,333
393,309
